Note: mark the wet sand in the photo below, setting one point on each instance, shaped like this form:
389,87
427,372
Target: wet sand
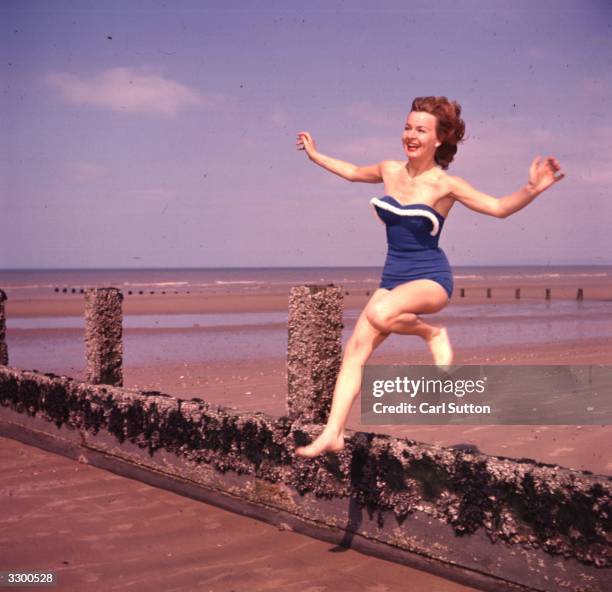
100,531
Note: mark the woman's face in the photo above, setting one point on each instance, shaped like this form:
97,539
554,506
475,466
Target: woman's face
419,138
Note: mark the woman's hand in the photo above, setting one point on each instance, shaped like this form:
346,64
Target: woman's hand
543,174
305,142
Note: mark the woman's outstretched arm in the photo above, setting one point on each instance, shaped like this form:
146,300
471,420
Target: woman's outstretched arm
346,170
542,174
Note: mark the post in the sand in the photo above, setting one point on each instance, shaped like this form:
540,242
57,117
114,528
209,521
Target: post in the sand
103,336
3,347
314,350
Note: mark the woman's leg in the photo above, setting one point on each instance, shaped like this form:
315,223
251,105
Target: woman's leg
387,311
364,340
397,313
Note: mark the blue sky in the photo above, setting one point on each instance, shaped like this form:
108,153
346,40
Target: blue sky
158,134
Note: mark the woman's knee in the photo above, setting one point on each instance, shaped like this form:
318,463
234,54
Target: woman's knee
381,317
378,316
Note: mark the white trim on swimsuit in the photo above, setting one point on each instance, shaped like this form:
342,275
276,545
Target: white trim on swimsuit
401,212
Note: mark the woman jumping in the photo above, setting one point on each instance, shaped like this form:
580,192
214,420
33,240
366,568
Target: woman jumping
417,277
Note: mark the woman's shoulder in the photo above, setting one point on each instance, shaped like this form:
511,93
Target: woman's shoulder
391,168
443,181
448,179
453,182
452,178
393,164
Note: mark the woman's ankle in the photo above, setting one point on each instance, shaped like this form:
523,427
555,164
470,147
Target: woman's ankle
334,430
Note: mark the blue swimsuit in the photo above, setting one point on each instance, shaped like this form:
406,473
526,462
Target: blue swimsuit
413,231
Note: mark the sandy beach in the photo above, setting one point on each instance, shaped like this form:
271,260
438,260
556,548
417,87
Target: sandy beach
99,531
184,368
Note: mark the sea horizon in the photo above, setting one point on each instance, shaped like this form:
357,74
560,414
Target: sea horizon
495,266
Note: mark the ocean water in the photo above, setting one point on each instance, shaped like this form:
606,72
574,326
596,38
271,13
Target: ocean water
42,283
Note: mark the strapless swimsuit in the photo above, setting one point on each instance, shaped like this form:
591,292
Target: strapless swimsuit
413,231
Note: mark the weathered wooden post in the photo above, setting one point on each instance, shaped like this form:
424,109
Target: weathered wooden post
314,350
103,336
3,347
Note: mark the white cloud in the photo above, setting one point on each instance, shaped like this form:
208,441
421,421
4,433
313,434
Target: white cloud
126,90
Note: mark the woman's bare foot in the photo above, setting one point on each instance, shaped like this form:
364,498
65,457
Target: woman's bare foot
441,349
328,440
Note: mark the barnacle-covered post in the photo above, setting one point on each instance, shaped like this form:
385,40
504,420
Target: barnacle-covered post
314,350
103,336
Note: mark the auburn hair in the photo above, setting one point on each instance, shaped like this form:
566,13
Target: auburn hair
450,128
